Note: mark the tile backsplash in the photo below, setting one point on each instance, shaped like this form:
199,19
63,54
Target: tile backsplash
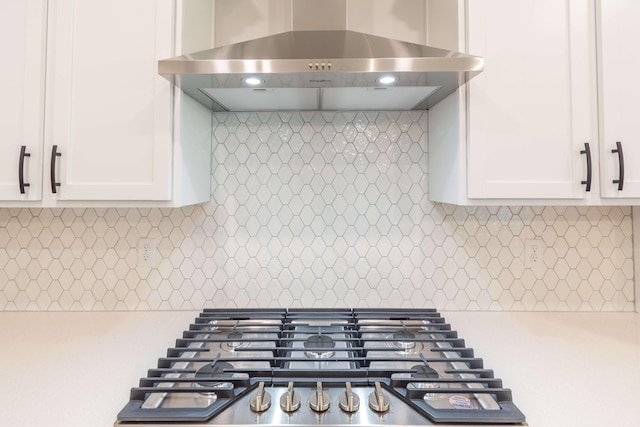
318,209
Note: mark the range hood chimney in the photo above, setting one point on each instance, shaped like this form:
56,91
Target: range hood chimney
320,65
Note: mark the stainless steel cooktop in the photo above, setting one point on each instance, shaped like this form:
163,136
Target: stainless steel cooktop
335,367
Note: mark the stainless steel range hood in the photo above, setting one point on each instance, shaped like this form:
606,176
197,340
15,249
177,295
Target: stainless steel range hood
320,70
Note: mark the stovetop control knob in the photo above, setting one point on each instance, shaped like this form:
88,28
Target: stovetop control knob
290,401
319,400
261,401
349,401
378,401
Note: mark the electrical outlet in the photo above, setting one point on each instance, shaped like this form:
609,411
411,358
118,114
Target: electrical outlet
533,253
147,249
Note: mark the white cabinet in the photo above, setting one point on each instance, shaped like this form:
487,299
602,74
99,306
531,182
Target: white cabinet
530,111
108,111
618,65
517,132
528,115
22,43
105,111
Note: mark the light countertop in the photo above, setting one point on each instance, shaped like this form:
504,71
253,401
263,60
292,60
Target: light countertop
564,369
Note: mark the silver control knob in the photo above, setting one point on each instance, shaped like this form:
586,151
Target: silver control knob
349,401
319,400
261,401
378,401
290,401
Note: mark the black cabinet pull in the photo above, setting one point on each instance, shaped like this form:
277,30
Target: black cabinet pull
620,180
21,183
587,151
54,155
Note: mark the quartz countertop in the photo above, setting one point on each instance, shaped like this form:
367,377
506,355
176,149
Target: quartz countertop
76,369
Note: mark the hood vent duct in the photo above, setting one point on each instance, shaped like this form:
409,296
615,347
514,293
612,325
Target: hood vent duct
320,70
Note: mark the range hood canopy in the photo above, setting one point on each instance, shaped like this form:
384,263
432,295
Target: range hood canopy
320,70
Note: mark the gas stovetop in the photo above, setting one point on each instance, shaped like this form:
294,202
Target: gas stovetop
396,367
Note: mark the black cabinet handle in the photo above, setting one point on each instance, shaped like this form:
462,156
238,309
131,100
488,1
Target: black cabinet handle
620,180
21,183
54,155
587,151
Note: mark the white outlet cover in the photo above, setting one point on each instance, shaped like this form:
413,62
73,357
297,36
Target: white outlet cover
147,249
534,253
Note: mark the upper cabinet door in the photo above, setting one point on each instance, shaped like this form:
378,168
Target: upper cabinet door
534,106
108,110
618,65
22,43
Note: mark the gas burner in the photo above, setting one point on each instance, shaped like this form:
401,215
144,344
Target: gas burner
210,326
318,344
424,372
235,335
212,372
402,342
427,326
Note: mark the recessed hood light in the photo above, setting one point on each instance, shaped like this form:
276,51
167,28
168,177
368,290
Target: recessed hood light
387,80
252,81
